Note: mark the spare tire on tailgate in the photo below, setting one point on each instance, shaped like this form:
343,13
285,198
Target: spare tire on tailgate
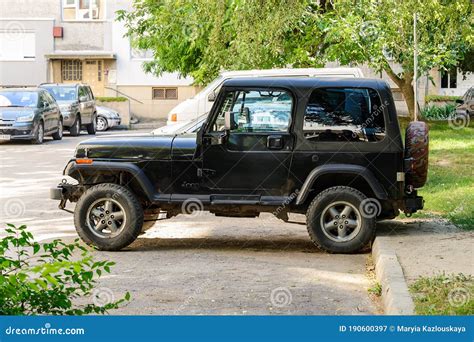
416,148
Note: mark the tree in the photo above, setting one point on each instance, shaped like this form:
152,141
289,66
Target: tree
380,33
201,38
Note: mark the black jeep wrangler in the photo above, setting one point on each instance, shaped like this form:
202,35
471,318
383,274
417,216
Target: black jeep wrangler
329,148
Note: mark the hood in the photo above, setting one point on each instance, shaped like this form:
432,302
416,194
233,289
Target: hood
11,113
127,146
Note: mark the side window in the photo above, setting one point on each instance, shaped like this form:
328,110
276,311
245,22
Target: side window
344,114
90,94
256,111
82,92
42,99
49,98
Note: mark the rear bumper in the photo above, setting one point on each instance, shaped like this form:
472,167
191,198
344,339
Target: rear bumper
413,204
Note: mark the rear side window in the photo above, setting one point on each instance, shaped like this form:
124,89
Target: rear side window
344,114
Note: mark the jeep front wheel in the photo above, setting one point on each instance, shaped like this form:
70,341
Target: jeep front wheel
108,216
337,223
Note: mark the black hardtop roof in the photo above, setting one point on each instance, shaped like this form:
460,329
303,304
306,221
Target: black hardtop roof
305,82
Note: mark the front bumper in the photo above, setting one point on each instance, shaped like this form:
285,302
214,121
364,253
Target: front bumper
68,118
18,131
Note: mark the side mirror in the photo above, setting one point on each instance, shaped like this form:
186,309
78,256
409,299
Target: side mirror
459,101
82,98
212,97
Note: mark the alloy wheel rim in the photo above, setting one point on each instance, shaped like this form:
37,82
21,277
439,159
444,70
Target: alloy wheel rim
341,221
100,124
106,218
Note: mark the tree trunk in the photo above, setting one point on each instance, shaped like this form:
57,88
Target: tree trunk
405,87
409,95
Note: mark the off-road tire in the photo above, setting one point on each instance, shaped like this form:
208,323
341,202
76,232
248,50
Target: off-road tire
417,148
39,135
324,199
92,127
75,129
131,205
58,135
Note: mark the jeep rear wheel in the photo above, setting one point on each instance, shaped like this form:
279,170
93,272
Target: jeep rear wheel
337,223
108,216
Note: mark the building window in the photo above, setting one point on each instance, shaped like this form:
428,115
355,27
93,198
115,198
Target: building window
83,9
71,70
165,93
99,71
17,46
449,79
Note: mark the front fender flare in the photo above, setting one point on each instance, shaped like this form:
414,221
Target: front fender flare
129,168
357,170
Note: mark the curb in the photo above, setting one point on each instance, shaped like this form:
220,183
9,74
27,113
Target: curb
396,299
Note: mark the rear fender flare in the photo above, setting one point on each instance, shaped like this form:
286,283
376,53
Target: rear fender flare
356,170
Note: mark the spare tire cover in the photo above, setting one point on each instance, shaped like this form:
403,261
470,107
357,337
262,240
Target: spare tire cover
416,147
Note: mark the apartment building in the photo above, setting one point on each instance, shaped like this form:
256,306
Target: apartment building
69,41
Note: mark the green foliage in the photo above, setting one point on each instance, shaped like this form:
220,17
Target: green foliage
433,112
375,289
444,295
111,99
48,279
441,98
200,38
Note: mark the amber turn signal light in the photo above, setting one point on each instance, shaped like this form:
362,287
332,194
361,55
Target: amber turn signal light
84,161
174,117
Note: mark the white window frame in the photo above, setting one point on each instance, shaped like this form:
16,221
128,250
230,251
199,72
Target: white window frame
448,74
64,5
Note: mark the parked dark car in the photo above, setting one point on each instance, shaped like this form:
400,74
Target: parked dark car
29,114
466,105
77,105
107,118
327,148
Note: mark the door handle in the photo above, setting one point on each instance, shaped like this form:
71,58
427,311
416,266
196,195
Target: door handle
275,142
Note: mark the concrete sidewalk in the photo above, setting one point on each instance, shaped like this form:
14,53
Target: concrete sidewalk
426,247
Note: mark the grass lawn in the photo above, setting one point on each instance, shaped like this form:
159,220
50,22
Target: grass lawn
449,192
444,295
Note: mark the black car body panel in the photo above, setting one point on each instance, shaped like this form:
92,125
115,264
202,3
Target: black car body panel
251,168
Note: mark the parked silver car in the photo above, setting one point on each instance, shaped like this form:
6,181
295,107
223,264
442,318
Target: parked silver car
77,104
107,118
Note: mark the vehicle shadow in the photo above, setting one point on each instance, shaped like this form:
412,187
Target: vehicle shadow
216,243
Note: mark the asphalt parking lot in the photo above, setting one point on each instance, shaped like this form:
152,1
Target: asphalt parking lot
192,264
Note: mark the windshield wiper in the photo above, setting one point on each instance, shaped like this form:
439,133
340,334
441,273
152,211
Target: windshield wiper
13,106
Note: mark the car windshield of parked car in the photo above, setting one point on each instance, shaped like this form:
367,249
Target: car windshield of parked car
62,93
18,99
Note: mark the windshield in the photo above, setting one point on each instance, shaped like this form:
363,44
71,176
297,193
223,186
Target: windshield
209,87
62,93
18,99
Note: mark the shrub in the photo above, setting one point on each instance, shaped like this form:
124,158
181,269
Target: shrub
438,112
111,99
52,278
441,98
